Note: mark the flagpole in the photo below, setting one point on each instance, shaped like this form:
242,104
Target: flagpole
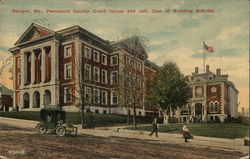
204,57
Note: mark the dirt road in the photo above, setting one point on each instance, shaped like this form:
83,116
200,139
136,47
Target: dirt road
17,143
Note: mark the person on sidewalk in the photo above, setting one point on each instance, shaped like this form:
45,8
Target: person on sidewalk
92,121
185,132
155,127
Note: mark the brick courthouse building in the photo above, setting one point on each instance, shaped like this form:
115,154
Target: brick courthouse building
213,98
46,70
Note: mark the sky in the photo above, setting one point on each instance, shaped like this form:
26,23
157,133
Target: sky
171,36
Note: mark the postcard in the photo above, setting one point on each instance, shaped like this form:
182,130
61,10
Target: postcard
123,79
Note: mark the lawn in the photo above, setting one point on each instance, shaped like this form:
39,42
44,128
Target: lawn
220,130
75,118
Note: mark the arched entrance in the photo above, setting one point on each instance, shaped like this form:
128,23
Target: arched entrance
47,98
26,100
36,99
198,112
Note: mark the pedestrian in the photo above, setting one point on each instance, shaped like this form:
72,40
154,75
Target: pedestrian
155,127
92,121
17,108
185,131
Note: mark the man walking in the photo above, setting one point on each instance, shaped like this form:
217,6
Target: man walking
154,128
92,121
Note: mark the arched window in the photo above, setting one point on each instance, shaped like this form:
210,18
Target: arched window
26,100
213,106
36,99
47,98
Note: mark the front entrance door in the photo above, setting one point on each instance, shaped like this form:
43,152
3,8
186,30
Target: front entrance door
198,112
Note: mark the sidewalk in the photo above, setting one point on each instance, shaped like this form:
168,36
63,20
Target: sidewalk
198,141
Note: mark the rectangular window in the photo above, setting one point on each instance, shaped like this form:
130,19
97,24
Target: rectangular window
96,96
114,77
104,59
67,51
114,98
127,60
139,68
104,76
87,72
96,74
67,71
19,79
104,97
67,94
88,94
96,56
87,52
114,60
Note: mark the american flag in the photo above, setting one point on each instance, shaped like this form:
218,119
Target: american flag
207,48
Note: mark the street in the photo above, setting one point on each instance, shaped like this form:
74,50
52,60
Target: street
28,144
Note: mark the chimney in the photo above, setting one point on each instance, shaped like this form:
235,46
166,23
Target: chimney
218,71
207,69
196,70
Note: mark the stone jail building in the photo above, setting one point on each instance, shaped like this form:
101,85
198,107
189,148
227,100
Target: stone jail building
50,65
213,98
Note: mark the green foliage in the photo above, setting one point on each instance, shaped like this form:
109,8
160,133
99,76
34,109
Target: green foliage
75,118
169,87
220,130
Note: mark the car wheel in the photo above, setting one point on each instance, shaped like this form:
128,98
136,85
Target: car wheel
61,131
41,128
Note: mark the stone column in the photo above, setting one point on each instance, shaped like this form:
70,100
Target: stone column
55,71
42,94
43,64
33,72
23,68
31,93
54,62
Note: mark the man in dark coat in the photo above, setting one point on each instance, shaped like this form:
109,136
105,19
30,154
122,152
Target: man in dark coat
154,128
92,121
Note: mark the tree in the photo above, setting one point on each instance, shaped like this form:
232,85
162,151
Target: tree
130,86
5,62
169,88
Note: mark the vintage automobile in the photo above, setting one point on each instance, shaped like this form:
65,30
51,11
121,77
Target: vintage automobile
53,120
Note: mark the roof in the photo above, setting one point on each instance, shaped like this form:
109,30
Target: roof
151,65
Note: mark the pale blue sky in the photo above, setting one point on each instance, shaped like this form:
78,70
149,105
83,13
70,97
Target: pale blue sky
172,36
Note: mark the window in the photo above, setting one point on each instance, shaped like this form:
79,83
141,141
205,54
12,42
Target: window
67,51
104,59
213,92
139,66
67,94
96,74
96,96
214,106
87,72
97,111
114,60
19,79
127,60
104,76
104,111
104,97
88,94
114,77
87,52
67,71
114,98
88,110
96,56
